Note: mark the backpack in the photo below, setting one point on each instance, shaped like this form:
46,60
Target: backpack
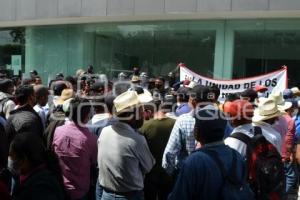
2,103
265,168
232,188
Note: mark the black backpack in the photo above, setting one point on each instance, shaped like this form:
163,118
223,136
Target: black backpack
232,188
265,168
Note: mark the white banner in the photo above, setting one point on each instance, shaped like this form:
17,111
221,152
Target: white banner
276,81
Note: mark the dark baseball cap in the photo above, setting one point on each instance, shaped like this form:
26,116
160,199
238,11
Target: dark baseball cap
201,93
210,123
59,87
250,94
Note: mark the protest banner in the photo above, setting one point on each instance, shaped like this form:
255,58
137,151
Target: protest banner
274,81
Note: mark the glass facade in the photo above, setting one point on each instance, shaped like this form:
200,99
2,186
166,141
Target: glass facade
156,48
264,46
12,43
221,49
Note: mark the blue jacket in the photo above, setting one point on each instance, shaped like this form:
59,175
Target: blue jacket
183,109
297,125
200,177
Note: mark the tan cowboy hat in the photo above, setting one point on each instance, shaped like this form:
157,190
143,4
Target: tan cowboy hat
145,97
295,91
126,100
279,100
135,79
66,105
80,72
65,95
267,109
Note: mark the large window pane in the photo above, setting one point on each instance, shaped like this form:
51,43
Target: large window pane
155,47
263,50
11,43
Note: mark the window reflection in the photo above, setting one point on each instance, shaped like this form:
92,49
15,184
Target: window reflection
12,42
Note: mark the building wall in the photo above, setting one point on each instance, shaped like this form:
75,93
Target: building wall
28,10
78,46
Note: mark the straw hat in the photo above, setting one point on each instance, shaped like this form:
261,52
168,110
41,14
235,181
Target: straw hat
145,97
126,100
80,72
66,105
135,79
267,109
295,91
65,95
279,100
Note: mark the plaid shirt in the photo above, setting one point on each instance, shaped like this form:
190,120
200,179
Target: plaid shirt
183,130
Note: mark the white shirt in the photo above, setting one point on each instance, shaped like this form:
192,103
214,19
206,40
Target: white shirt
41,112
99,117
270,134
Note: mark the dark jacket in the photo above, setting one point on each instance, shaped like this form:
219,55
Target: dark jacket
41,185
200,177
3,147
55,119
23,119
4,193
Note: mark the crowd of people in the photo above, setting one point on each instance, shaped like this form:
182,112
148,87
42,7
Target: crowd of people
85,137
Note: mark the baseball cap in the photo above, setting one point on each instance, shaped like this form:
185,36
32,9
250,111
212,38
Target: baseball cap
239,108
260,88
250,94
201,93
287,94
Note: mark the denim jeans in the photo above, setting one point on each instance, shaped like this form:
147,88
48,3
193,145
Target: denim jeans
139,195
291,176
99,190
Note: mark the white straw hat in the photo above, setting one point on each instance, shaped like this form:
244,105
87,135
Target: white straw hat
192,84
145,97
295,91
65,95
126,100
267,109
279,100
66,105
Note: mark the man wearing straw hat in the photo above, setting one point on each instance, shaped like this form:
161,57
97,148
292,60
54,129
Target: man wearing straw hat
289,134
265,115
124,156
241,112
